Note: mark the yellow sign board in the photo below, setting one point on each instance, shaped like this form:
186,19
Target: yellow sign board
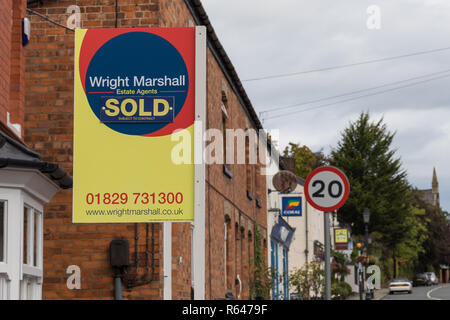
340,236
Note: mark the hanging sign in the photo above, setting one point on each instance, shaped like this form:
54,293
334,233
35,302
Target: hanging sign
341,239
291,206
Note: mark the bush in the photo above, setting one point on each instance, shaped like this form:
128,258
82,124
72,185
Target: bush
308,281
340,290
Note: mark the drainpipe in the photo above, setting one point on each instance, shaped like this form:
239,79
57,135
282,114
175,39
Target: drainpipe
118,287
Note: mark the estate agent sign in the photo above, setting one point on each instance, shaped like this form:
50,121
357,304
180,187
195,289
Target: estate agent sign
133,89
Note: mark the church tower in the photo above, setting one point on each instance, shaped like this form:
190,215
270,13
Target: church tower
435,189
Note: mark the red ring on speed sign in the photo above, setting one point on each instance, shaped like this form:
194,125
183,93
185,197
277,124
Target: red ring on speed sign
344,180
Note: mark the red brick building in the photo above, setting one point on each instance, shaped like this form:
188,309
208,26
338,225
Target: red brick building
27,182
12,64
235,194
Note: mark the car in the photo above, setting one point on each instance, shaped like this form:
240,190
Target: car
400,285
421,279
434,279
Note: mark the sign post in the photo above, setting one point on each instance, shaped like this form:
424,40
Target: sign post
139,111
326,226
327,189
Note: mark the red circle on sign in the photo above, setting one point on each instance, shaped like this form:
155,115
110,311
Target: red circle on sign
344,180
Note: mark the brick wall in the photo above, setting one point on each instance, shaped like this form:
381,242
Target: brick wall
5,56
17,88
49,131
225,198
12,63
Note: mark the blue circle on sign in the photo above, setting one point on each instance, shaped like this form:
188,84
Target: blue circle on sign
135,54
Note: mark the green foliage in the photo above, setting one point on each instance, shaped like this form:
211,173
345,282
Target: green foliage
412,246
261,279
436,236
377,180
308,281
340,290
339,266
305,159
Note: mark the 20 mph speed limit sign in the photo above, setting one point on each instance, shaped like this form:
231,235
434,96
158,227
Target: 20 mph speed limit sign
327,189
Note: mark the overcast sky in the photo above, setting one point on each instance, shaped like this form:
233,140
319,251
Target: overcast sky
265,38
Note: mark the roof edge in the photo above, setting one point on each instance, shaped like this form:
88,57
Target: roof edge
51,170
201,18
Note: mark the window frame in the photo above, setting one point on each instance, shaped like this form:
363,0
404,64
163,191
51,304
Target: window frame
32,269
19,187
4,256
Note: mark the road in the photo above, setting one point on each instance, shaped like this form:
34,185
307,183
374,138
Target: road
436,292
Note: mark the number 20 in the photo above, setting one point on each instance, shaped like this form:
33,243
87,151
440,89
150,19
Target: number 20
319,193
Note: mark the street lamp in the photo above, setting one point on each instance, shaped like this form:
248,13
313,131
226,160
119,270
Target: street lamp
366,215
366,219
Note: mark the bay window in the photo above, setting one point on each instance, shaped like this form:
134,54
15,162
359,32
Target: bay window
23,194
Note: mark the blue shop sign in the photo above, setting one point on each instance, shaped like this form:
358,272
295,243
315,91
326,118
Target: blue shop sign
291,206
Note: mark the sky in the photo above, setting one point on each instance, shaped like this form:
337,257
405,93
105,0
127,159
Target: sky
267,38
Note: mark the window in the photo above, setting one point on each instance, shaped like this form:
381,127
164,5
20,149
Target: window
26,242
36,233
226,168
242,257
237,260
2,232
30,285
225,255
248,168
257,169
31,236
250,253
21,233
228,257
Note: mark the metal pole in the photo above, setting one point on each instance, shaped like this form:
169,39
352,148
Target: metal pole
367,241
326,216
118,287
368,292
360,277
306,232
167,260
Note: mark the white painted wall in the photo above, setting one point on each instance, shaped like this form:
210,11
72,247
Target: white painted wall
313,230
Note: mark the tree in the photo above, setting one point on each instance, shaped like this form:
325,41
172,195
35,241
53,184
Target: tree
305,159
436,249
377,181
413,244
